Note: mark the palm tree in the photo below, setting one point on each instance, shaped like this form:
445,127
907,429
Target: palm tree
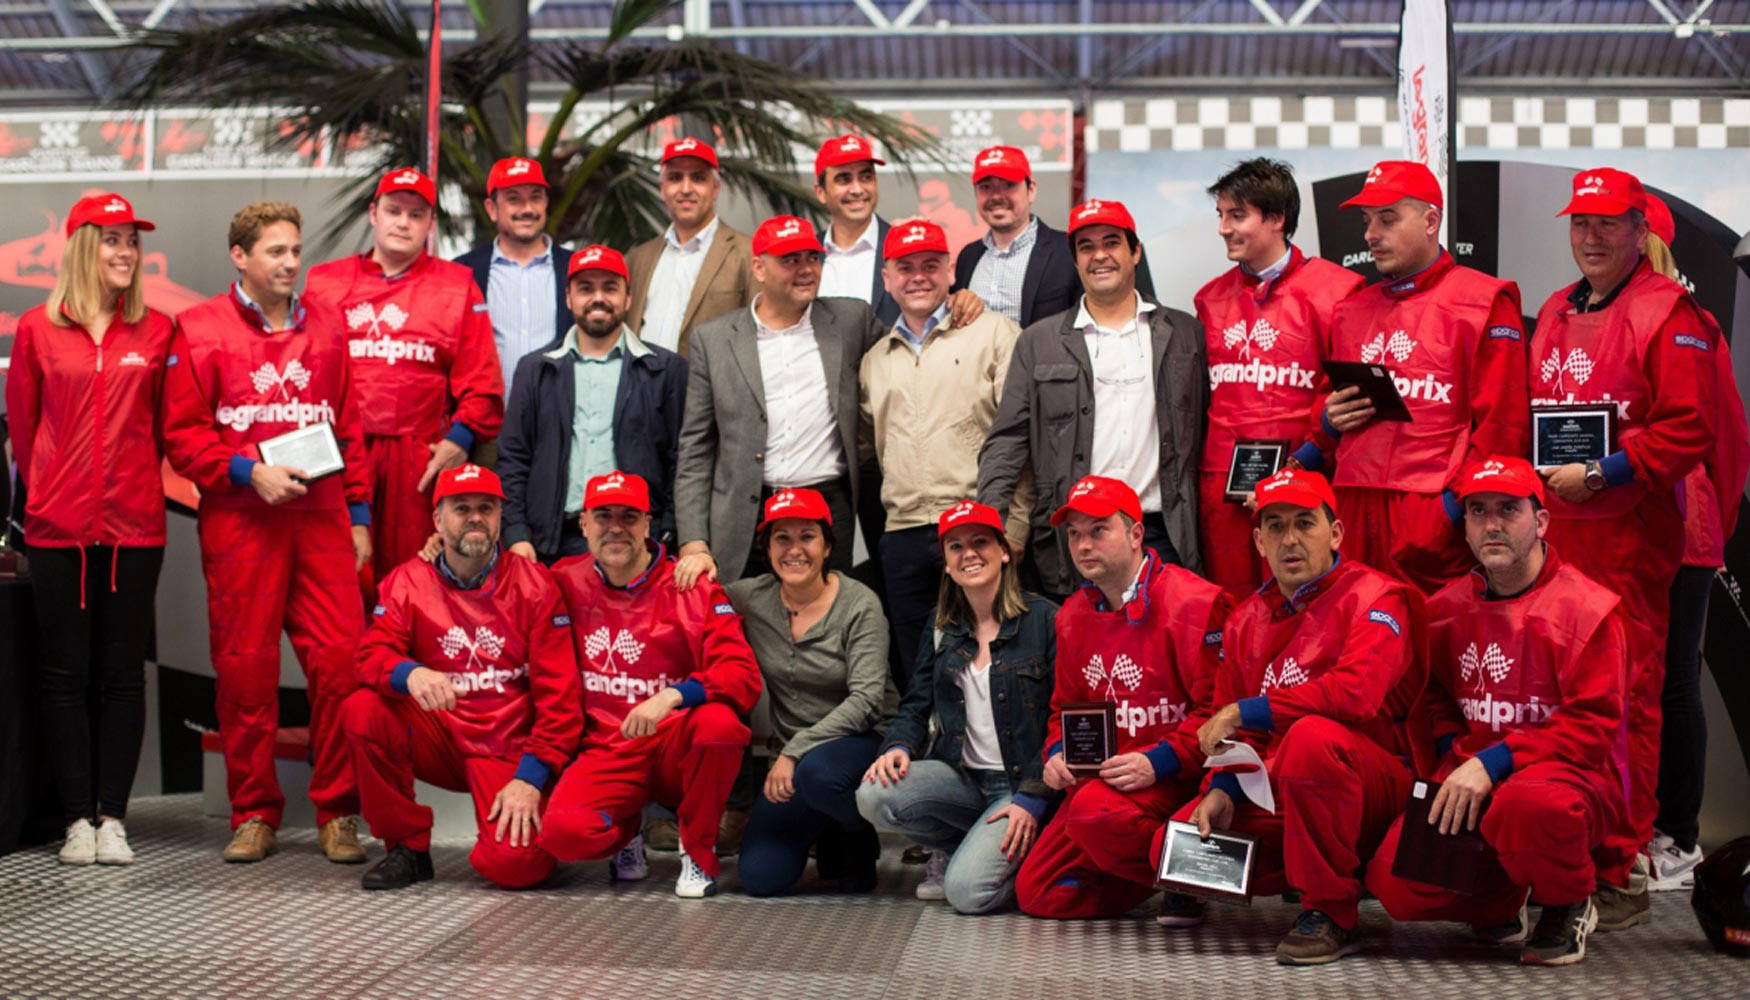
355,71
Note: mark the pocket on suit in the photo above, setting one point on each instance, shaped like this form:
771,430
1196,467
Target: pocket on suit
1056,391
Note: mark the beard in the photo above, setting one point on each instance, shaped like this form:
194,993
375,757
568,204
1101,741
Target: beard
592,324
473,546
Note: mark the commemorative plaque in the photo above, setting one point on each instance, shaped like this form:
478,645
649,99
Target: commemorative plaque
1253,462
1217,868
1090,735
1561,435
1451,861
314,450
1375,383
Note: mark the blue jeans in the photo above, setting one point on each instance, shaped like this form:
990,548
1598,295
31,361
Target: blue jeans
774,847
947,809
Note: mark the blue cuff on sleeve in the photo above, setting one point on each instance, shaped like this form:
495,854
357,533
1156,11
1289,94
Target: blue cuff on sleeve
1229,783
1255,713
1032,803
1454,510
1310,457
1443,746
360,513
1497,760
533,771
240,469
460,435
1617,471
1325,421
692,692
398,677
1165,760
1053,750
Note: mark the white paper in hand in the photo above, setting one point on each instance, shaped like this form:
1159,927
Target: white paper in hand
1253,781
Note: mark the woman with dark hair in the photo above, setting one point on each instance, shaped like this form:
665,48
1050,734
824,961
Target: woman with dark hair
821,642
986,671
82,402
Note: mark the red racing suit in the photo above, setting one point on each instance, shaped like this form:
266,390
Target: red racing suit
1454,341
427,369
229,384
505,646
1156,659
1532,685
1651,352
633,643
1266,341
1329,688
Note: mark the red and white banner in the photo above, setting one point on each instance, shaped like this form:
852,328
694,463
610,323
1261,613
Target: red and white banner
1427,90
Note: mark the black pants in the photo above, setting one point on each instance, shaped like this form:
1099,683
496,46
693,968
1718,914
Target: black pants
911,559
837,494
93,680
1683,738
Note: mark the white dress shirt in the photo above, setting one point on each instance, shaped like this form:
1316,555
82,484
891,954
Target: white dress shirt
849,272
671,286
802,434
1127,437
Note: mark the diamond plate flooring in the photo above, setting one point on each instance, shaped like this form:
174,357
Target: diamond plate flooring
181,924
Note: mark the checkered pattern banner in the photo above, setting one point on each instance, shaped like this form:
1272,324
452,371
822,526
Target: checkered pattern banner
1500,123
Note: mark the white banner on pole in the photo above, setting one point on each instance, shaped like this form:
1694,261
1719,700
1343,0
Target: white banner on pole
1426,102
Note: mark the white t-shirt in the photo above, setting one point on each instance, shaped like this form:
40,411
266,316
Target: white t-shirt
981,752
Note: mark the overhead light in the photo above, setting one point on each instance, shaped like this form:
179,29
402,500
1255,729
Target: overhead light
1367,42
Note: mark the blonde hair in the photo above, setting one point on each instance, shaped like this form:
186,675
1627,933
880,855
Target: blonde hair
952,606
80,292
250,220
1659,256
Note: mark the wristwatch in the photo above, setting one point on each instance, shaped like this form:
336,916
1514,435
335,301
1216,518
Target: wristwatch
1595,476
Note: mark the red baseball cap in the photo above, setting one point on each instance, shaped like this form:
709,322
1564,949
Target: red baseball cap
690,147
916,236
1605,191
469,478
1659,219
968,512
513,171
782,234
1006,162
596,257
1500,474
1095,212
407,179
1297,487
844,149
804,503
1391,181
105,209
1098,496
624,489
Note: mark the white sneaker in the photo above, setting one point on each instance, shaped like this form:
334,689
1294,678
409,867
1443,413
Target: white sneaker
1673,869
932,889
630,864
112,844
81,845
693,882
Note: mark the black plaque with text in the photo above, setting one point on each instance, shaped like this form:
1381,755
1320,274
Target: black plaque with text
1090,735
1562,435
1253,462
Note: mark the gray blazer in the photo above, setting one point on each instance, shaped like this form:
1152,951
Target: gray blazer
1046,417
723,433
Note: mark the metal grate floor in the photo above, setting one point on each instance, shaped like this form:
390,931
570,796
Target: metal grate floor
180,923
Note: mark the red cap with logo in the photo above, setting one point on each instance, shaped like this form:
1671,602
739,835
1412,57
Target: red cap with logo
513,171
916,236
968,512
1296,487
596,257
104,210
844,149
690,146
407,179
1095,212
1391,181
1005,162
617,488
804,503
1659,219
469,478
782,234
1501,474
1098,496
1605,191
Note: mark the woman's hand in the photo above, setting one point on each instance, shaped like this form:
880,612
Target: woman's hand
889,767
781,779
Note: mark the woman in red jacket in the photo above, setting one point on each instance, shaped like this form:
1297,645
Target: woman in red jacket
82,401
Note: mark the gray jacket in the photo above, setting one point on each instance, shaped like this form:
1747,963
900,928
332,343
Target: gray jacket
723,433
1046,417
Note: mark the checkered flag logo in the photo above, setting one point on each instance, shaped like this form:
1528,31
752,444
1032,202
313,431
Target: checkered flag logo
604,643
455,642
1493,664
1289,673
970,122
268,377
1577,363
1262,334
362,315
1398,345
1123,669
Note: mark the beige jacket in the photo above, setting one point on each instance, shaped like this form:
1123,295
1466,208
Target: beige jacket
925,416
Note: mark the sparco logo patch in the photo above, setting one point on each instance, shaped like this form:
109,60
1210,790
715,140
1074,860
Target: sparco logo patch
1690,340
1385,619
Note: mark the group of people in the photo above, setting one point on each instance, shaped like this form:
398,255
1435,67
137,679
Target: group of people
597,508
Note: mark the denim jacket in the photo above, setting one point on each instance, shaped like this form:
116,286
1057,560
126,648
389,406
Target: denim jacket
1020,691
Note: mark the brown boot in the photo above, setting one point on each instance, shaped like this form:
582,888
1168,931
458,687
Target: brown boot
339,838
252,841
662,835
1316,940
729,830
